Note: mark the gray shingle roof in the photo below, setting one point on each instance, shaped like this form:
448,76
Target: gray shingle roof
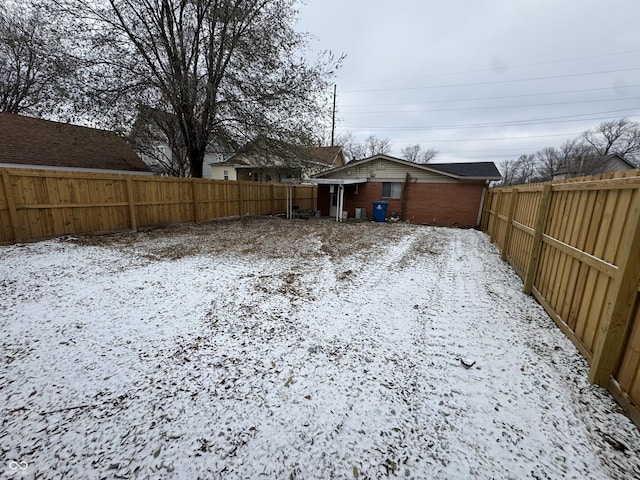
467,170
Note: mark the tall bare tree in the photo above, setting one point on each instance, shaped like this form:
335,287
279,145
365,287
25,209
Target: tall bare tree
620,136
549,163
36,67
228,70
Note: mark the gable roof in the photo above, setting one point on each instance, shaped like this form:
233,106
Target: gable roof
331,156
266,152
33,142
467,171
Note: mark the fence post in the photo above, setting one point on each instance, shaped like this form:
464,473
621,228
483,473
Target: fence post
486,208
508,230
536,248
240,199
132,206
315,197
620,305
13,212
195,200
273,200
496,217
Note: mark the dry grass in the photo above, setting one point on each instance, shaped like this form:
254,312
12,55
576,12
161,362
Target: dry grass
270,237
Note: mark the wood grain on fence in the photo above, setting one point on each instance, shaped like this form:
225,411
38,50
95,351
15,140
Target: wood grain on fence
576,245
37,204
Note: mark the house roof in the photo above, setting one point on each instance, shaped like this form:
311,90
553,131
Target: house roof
264,152
574,166
467,171
34,142
486,170
328,155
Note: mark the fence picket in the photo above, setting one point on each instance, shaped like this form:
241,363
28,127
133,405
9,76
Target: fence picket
45,203
581,247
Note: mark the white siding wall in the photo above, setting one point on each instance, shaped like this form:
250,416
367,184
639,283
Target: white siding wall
386,171
217,172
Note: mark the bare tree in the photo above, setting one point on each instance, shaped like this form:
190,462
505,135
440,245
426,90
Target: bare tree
427,155
549,163
155,135
414,153
350,147
620,136
520,171
411,152
508,172
588,154
228,70
36,68
355,150
376,146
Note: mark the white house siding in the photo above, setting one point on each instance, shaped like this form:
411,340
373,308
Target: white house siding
387,171
216,172
615,164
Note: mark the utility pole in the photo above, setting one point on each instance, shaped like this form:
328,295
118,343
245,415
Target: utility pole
333,116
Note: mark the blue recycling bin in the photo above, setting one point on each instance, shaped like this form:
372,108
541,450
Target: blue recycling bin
380,211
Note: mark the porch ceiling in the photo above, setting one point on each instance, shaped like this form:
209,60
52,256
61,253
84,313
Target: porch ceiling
335,181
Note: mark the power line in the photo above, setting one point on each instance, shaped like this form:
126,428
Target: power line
492,139
495,107
496,82
522,65
499,97
534,121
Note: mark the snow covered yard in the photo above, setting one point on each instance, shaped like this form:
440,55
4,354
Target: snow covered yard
264,348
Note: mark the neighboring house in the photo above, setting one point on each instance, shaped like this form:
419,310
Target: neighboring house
270,161
27,142
157,138
593,165
431,193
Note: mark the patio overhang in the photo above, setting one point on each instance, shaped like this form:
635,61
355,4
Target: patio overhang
335,181
340,183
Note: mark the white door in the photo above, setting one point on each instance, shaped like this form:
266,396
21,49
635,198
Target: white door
333,206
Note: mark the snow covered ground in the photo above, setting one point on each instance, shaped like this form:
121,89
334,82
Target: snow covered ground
265,348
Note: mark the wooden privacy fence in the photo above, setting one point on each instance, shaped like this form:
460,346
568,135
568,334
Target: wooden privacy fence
576,245
37,204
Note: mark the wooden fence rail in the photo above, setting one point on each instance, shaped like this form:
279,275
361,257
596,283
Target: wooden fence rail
576,245
37,204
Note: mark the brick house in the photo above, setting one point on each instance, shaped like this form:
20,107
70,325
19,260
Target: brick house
432,193
27,142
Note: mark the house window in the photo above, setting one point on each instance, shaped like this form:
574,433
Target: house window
391,189
256,177
226,174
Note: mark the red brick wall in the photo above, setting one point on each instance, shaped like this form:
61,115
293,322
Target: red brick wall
324,199
444,203
432,203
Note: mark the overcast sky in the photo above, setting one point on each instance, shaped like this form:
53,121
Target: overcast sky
484,80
